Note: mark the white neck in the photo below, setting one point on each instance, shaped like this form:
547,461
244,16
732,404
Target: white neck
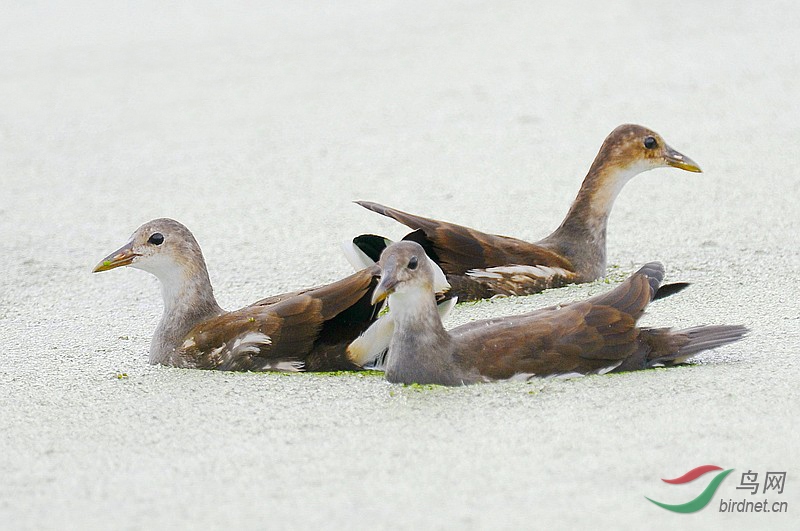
421,350
179,287
603,198
414,305
188,299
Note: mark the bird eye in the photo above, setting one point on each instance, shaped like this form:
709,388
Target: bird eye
650,142
156,238
412,264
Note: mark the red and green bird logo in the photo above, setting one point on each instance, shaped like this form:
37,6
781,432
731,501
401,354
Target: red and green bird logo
704,497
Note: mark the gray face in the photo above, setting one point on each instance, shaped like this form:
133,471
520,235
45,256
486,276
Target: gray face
161,247
404,267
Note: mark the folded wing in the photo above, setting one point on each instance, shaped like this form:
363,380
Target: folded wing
459,249
592,336
307,330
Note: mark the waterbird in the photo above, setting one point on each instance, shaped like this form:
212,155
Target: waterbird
480,265
593,336
306,330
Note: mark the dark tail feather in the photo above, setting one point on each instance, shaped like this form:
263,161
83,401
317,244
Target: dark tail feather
708,337
670,289
655,276
674,348
371,245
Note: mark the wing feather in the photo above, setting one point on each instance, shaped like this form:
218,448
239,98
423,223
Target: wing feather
307,330
592,336
459,249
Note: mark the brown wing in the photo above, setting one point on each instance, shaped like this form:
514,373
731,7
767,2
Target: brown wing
636,292
596,335
275,299
306,331
459,249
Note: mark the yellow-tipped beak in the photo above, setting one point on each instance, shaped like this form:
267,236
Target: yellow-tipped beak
386,286
679,160
121,257
381,292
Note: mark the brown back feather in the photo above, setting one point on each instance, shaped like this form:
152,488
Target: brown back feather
459,249
583,337
312,326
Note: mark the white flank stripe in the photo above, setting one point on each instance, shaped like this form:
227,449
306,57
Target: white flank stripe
609,369
287,366
522,377
518,272
567,375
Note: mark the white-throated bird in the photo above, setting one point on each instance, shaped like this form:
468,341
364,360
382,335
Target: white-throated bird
480,265
307,330
593,336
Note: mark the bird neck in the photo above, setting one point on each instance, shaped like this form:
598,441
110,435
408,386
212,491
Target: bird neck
420,349
416,309
188,300
582,234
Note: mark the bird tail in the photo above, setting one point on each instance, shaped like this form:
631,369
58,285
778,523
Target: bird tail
674,347
364,250
666,290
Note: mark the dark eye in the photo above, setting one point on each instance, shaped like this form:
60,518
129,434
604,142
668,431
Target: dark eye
412,264
156,239
650,142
